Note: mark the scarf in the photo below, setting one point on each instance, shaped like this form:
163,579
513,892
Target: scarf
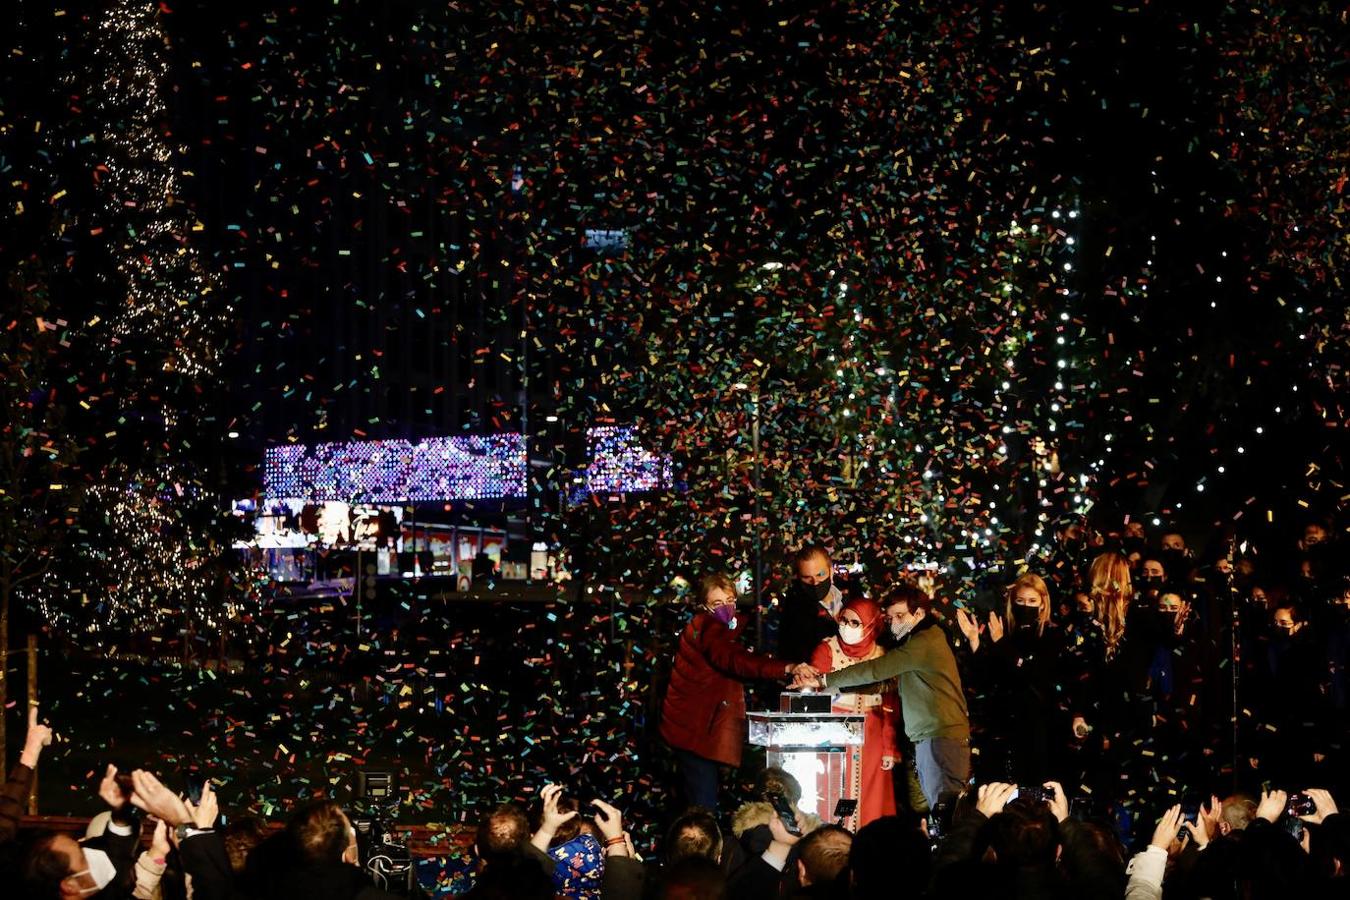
870,615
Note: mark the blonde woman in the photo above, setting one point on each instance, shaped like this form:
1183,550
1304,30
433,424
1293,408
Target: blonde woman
1019,665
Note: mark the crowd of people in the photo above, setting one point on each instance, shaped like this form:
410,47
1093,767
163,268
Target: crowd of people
1067,740
999,840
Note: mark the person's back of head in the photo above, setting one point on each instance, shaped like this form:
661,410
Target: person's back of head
501,834
1272,865
693,878
1330,852
823,855
1024,836
695,833
240,837
44,867
1104,842
320,833
567,830
1237,813
777,780
884,849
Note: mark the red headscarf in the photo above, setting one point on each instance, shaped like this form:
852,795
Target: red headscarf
870,615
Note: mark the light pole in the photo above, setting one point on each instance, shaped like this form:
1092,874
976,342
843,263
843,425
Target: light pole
756,550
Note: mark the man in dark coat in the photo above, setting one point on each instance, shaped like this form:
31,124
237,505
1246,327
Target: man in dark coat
810,606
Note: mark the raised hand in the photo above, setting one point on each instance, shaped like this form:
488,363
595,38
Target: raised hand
1206,828
109,790
207,808
609,820
1059,804
159,841
992,797
1183,613
780,833
1166,832
1272,806
995,628
38,737
552,819
969,627
1325,805
153,797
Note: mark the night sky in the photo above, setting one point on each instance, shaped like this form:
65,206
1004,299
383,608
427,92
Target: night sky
968,269
987,221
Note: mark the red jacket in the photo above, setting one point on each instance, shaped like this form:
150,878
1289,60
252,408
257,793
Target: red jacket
704,709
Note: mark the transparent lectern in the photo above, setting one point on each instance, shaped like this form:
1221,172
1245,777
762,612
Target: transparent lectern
813,744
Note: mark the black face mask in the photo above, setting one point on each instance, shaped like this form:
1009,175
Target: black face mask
1026,616
818,591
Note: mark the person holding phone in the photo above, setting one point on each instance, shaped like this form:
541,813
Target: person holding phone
868,768
703,715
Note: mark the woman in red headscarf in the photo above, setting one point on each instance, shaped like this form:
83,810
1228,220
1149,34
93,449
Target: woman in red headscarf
869,769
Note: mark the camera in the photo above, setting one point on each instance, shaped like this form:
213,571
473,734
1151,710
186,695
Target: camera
383,856
1300,805
1033,793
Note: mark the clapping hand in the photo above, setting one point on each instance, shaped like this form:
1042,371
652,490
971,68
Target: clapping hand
995,628
969,627
1205,828
207,808
149,794
1165,835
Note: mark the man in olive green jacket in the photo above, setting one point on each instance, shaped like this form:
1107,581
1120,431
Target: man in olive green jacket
931,698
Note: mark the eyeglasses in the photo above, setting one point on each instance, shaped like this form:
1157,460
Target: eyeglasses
857,622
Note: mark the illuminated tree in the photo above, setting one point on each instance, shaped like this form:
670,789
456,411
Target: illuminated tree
39,481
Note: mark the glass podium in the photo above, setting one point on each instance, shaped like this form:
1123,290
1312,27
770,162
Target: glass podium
812,743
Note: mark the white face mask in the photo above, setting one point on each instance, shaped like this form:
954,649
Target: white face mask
851,634
101,869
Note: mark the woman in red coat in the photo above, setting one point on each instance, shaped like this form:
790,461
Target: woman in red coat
703,716
868,769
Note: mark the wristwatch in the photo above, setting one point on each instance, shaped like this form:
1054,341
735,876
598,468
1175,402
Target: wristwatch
185,831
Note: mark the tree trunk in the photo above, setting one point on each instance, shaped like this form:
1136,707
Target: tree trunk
6,588
32,657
